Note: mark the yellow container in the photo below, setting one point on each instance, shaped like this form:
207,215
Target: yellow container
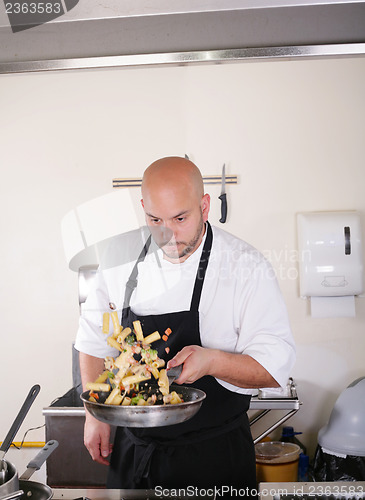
277,462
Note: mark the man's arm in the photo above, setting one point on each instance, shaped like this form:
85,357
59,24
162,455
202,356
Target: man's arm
96,433
240,370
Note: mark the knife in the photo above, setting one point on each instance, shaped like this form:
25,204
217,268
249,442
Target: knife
39,459
223,197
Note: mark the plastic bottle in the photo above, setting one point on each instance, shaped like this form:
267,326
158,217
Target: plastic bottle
288,436
303,467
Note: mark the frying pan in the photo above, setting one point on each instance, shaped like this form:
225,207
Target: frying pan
36,491
148,416
14,429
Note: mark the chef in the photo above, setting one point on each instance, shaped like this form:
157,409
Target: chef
230,332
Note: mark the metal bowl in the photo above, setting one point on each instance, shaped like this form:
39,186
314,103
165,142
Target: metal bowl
148,416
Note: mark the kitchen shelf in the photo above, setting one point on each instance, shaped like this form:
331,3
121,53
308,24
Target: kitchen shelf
289,403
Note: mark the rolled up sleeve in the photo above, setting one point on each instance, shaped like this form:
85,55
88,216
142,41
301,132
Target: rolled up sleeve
264,331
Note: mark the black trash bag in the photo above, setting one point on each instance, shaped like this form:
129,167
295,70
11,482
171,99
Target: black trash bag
328,467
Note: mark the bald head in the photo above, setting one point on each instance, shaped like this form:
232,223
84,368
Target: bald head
171,173
175,206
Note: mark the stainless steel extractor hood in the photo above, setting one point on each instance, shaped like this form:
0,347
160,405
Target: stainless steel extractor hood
97,33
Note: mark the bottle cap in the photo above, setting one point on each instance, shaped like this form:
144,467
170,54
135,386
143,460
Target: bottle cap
288,431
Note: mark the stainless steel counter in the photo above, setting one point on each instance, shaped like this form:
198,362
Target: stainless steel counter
354,490
105,494
66,423
267,491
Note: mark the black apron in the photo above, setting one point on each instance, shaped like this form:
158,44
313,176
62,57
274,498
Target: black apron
212,449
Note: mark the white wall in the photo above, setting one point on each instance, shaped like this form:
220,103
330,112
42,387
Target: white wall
293,131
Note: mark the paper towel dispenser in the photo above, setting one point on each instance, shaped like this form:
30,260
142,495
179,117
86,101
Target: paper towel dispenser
330,254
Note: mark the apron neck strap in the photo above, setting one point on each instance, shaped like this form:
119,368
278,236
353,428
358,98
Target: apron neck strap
132,280
203,264
199,280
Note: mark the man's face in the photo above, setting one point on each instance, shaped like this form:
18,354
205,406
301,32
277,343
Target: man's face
176,220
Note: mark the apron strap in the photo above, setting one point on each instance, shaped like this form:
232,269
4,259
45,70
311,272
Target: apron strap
199,280
203,264
132,280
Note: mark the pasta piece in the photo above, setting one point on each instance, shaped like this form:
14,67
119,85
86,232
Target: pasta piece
113,343
122,359
115,392
158,363
155,372
152,399
121,373
117,400
122,336
163,382
175,398
102,378
152,338
142,402
135,379
139,369
126,401
117,332
123,362
138,330
93,386
109,363
117,326
106,320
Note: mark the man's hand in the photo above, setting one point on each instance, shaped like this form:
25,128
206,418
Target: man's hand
97,440
240,370
197,361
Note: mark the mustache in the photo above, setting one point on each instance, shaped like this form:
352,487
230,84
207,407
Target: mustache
163,236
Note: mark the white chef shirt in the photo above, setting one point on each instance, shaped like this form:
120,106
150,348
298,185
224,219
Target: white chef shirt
241,308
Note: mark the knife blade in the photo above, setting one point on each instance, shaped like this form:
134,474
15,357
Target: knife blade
39,459
223,197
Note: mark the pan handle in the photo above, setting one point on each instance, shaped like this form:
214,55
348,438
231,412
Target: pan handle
12,496
37,462
33,393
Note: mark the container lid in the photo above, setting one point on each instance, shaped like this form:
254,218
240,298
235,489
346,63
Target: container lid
345,431
276,452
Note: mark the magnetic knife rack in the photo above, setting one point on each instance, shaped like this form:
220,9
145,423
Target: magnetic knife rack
207,179
290,404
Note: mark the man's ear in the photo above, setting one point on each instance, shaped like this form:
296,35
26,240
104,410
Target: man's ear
205,206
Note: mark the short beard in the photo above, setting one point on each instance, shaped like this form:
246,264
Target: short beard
191,246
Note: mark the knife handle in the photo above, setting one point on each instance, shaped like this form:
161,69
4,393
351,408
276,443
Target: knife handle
223,198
